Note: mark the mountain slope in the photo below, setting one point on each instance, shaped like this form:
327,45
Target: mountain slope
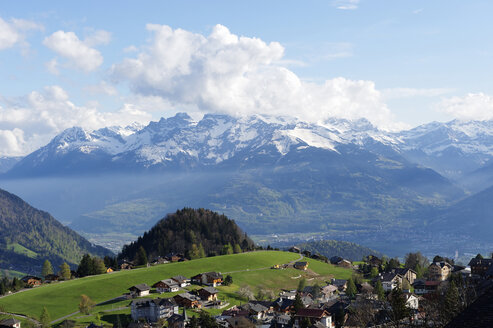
29,236
347,250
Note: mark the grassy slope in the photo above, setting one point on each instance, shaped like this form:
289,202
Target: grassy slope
63,298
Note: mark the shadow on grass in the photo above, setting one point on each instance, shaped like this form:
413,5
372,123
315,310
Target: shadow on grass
117,320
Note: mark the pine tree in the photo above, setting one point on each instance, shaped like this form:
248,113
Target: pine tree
201,251
65,271
98,266
298,303
379,290
451,300
373,272
194,252
301,285
351,288
47,268
398,304
141,257
44,319
85,267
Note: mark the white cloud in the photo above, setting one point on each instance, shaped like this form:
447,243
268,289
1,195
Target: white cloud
346,4
39,116
240,75
398,93
473,106
52,66
98,37
78,53
13,32
102,88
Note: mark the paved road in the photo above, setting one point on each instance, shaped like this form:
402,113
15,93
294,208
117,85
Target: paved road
36,322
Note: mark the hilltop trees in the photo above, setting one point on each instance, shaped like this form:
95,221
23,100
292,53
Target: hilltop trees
65,271
90,266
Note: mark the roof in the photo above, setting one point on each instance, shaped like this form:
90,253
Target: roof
329,289
389,276
26,278
210,290
258,308
180,278
403,271
140,287
339,282
311,313
168,282
442,264
301,264
485,262
9,322
157,301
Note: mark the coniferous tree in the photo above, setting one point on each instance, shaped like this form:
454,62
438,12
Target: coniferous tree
227,249
65,271
398,305
201,251
44,318
98,266
298,303
141,257
351,288
237,249
379,290
47,268
85,267
301,285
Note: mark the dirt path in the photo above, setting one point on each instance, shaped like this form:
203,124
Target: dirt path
36,322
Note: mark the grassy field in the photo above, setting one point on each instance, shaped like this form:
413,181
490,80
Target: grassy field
63,298
19,249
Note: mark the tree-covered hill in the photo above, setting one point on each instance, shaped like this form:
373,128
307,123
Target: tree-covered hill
345,249
191,232
29,236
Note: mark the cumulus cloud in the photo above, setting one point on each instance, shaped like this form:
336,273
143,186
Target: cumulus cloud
13,32
346,4
240,75
78,53
473,106
36,118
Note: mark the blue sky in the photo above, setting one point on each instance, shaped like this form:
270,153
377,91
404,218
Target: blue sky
97,63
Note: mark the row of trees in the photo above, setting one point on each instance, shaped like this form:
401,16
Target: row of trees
64,270
90,266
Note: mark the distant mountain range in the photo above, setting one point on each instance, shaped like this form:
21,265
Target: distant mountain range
270,174
29,236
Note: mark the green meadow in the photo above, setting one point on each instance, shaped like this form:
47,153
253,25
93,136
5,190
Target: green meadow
62,298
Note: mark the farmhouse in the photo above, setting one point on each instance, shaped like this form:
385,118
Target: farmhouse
317,317
208,294
51,278
152,310
439,270
390,280
10,323
188,300
31,281
480,266
208,278
301,265
182,281
140,290
166,286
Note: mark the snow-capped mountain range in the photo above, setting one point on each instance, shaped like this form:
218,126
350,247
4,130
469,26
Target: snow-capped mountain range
453,149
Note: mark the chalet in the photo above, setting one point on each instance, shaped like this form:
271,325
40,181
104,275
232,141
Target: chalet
335,259
439,270
389,280
341,284
31,281
159,260
283,305
178,321
173,257
208,278
288,294
126,266
110,270
10,323
151,310
407,273
208,294
419,287
480,266
301,265
345,263
188,300
235,312
139,290
328,291
295,249
51,278
314,316
182,281
282,319
166,286
412,301
257,310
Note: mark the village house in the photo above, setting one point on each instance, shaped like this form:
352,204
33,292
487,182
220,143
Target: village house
341,284
126,265
328,292
10,323
257,310
335,259
283,306
407,273
317,317
139,290
412,301
480,266
151,310
208,278
288,294
282,319
178,321
31,281
188,300
301,265
239,322
208,294
295,249
166,286
182,281
439,270
389,280
374,261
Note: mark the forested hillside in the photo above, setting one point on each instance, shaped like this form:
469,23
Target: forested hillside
345,249
29,236
191,232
